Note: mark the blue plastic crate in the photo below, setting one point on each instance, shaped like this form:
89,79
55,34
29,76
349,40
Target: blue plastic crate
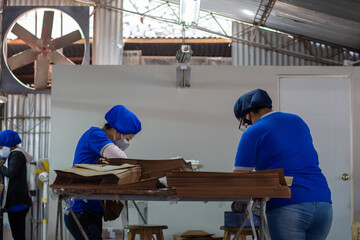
235,219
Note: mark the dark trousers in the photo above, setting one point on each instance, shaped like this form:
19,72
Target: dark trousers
90,221
17,224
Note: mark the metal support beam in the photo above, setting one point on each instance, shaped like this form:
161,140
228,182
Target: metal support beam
263,12
243,32
212,15
335,53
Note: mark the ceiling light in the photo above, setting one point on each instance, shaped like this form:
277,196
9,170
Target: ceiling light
247,12
183,55
189,12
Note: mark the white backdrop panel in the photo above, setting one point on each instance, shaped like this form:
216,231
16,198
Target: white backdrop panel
195,123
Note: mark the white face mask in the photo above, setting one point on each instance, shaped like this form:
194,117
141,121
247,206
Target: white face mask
122,143
4,152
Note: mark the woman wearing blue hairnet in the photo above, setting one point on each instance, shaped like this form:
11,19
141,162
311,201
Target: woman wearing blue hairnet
16,198
109,142
282,140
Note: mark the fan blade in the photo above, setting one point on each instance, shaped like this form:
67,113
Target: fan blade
47,26
23,58
65,40
42,66
29,38
58,58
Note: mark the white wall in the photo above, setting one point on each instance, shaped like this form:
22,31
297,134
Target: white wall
195,123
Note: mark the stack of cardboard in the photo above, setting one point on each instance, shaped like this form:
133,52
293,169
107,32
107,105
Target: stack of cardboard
151,168
117,175
260,184
99,174
196,235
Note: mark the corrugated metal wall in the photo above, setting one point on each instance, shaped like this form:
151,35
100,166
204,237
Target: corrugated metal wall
108,39
29,115
246,55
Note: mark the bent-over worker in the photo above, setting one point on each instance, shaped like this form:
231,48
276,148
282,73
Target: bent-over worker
283,140
109,142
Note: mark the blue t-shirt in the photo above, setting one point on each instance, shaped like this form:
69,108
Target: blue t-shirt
283,140
89,150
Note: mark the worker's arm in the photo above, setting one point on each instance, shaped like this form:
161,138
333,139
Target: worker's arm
242,169
113,151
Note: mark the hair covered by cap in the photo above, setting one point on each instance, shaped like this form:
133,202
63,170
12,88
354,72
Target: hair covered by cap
251,101
123,120
9,138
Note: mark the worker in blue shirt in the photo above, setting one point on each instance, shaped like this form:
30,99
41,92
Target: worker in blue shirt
109,142
274,140
16,197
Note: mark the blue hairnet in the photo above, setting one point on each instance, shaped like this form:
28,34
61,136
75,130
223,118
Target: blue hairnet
122,120
251,101
9,138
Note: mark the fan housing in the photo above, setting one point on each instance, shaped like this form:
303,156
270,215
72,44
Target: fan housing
43,51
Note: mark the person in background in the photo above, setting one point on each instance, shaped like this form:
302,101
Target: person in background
274,140
109,142
16,197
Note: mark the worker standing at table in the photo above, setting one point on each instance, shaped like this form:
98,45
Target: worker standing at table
16,197
109,142
274,140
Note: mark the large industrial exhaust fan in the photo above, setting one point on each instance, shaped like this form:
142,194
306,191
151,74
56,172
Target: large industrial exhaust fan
40,52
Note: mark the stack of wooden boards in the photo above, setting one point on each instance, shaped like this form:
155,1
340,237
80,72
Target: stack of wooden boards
120,176
196,235
260,184
110,176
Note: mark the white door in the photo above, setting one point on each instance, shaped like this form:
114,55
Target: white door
324,104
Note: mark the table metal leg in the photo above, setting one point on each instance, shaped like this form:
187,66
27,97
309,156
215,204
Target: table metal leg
245,220
125,219
61,221
138,210
58,218
78,223
264,230
261,227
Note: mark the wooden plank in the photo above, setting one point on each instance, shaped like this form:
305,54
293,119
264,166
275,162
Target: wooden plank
110,191
248,181
269,183
278,173
234,192
195,233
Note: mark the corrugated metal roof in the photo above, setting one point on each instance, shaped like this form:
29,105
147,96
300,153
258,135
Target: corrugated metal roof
328,20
